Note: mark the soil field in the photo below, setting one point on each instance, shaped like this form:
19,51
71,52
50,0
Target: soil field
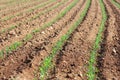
59,39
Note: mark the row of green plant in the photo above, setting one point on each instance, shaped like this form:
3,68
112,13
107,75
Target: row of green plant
47,62
92,70
8,3
32,18
30,36
47,10
13,3
116,3
28,10
59,16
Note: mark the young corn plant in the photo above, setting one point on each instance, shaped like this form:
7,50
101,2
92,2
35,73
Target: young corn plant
58,17
92,62
8,29
30,10
47,10
13,47
47,62
35,17
10,48
1,53
10,3
116,3
29,36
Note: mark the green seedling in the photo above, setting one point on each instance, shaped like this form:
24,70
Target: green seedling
92,62
116,3
35,17
8,29
47,62
30,10
27,37
13,47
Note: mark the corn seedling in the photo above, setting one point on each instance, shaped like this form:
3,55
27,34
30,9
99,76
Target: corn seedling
30,10
8,29
116,3
35,17
92,69
29,36
47,62
59,16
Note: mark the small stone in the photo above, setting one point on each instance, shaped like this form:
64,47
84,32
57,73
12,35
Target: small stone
43,32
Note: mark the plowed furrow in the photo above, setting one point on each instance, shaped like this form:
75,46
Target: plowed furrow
25,17
115,3
20,32
4,2
27,12
5,5
43,48
7,14
37,45
13,5
71,62
109,59
118,1
43,19
7,2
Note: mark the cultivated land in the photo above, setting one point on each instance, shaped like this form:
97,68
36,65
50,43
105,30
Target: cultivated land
59,39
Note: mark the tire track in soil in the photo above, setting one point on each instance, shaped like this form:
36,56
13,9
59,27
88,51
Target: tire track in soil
21,57
71,62
109,59
21,8
25,17
17,33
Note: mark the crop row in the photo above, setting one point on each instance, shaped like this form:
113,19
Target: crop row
17,44
47,62
116,3
27,11
31,18
93,55
8,3
13,3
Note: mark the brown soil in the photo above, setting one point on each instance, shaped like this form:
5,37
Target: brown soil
118,1
70,63
24,17
20,8
16,34
21,13
28,50
10,5
109,61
